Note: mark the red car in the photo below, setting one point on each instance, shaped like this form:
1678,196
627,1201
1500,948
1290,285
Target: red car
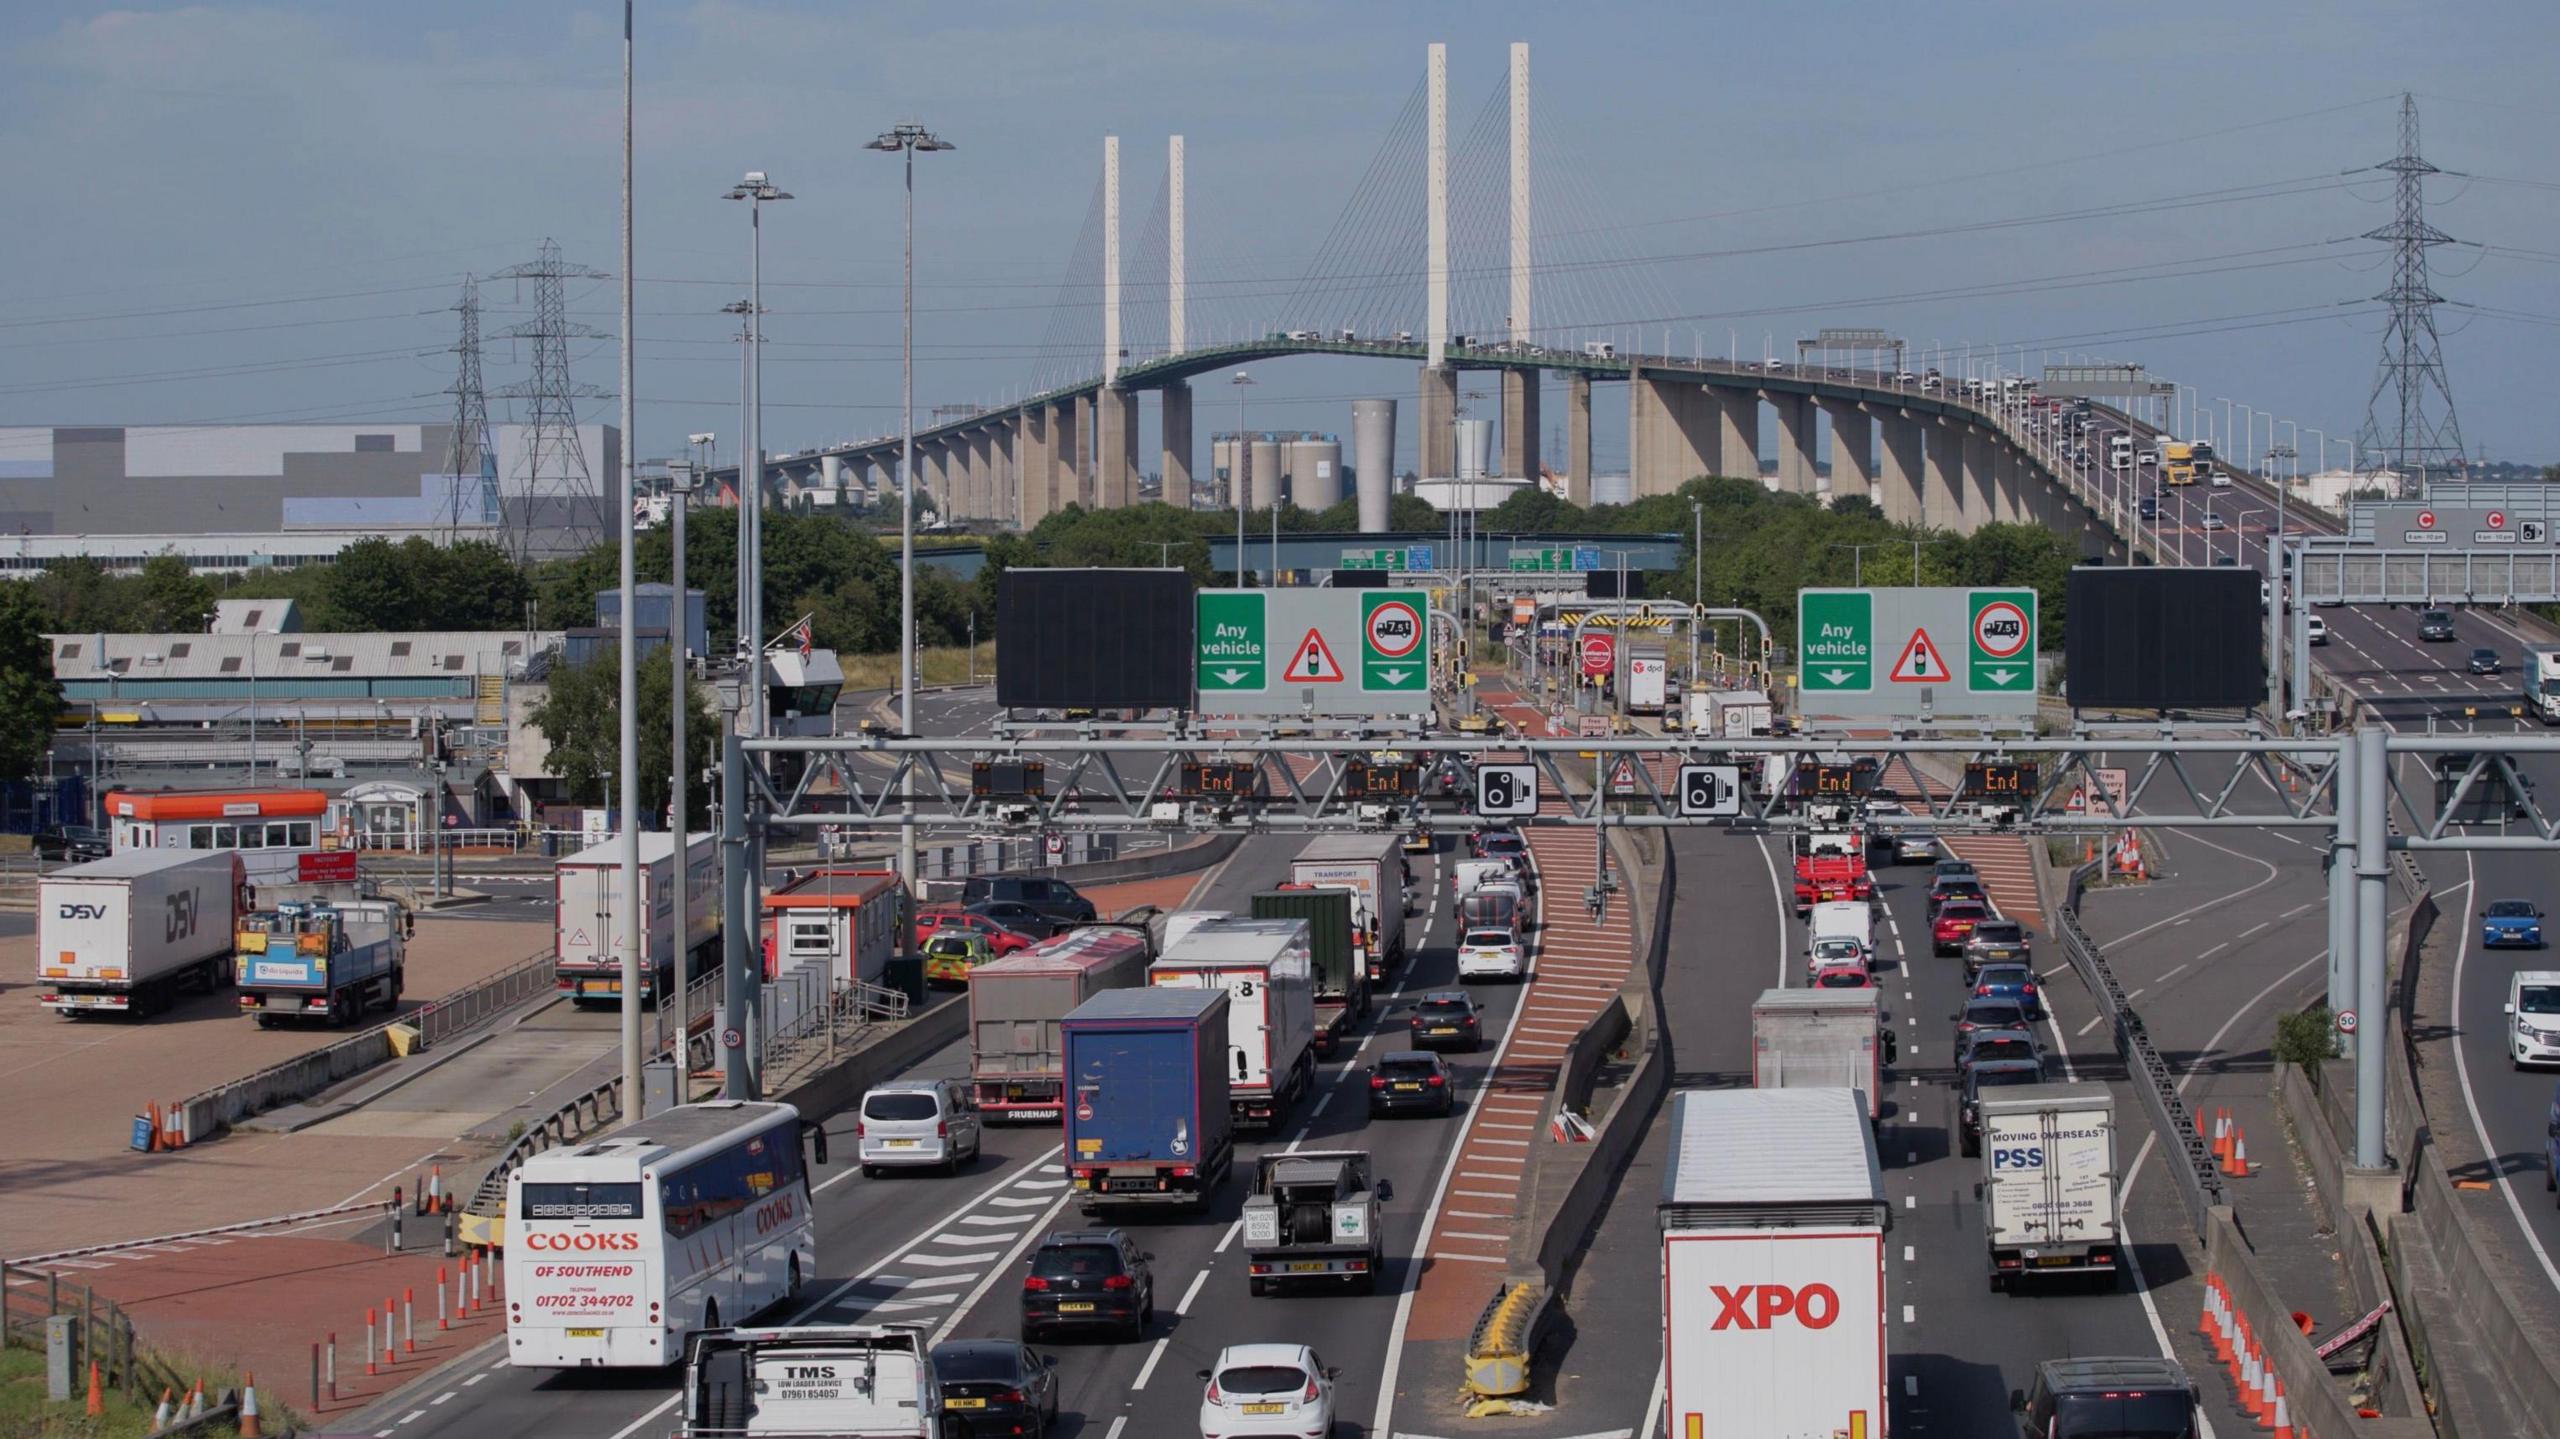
951,916
1843,976
1955,922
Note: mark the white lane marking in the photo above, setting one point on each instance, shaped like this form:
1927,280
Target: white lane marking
997,1221
439,1399
2253,929
2094,1021
932,1281
1911,1201
1191,1293
1906,1313
1652,1406
476,1378
2462,1071
1027,1202
1147,1370
1119,1421
2217,949
413,1414
1907,1251
1227,1238
997,1272
2165,974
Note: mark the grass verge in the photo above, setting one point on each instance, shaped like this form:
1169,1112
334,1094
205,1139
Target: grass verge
944,666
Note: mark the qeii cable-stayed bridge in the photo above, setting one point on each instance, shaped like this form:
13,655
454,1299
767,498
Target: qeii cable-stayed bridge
1456,229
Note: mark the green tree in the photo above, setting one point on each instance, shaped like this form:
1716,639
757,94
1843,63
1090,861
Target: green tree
30,697
582,717
171,598
76,596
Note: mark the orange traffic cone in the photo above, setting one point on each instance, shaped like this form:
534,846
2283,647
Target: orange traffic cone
2222,1135
2237,1167
97,1394
2250,1372
2284,1418
2269,1395
249,1407
167,1413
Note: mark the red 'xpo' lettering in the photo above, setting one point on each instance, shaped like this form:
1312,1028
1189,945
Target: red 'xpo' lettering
1757,1306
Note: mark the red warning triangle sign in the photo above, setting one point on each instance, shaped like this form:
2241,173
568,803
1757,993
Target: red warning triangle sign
1312,663
1921,662
578,940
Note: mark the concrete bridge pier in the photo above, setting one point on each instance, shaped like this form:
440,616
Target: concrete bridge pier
1436,441
979,502
1577,437
1974,498
1036,473
2010,480
1796,472
1177,445
1737,451
1853,450
1899,477
933,478
1942,486
1116,470
1079,487
1673,428
1520,424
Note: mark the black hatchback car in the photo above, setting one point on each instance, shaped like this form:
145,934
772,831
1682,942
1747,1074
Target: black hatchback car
2485,661
1410,1081
995,1386
1087,1279
1447,1019
2435,626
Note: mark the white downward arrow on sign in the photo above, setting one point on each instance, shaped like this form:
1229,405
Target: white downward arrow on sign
2001,676
1229,676
1837,677
1394,676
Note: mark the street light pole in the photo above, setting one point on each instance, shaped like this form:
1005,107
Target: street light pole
633,928
906,140
680,668
755,189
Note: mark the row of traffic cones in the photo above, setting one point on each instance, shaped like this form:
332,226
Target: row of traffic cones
2230,1145
2235,1345
168,1126
432,1195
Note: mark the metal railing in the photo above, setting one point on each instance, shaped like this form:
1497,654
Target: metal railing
597,1109
442,1019
2191,1162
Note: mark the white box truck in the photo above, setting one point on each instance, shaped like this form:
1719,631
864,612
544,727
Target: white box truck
2049,1181
1821,1039
845,1381
1648,672
1733,714
1373,869
589,914
125,934
1773,1218
1269,976
2541,668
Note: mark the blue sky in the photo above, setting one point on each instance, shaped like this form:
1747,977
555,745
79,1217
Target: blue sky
262,211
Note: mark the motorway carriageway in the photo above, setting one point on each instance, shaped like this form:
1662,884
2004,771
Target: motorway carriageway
949,1252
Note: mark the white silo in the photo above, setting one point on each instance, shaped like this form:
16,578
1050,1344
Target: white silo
1475,449
1266,470
1315,471
1373,449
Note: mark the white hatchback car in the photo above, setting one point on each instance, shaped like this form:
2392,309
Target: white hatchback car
1491,954
917,1124
1262,1390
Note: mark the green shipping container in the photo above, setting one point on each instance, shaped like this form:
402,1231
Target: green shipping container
1342,984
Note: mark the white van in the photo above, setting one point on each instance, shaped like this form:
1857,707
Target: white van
1840,932
1599,350
2533,1017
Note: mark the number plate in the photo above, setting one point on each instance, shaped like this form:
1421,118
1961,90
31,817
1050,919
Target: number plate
1438,1029
586,1334
1306,1266
2054,1259
1075,1306
1266,1408
902,1144
964,1403
1409,1088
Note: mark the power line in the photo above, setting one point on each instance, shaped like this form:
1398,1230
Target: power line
2401,416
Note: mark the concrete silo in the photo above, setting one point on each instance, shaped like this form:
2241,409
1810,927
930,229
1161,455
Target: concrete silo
1475,450
1373,450
1314,467
1266,470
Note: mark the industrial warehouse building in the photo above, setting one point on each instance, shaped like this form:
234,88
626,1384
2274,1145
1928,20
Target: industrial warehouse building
241,497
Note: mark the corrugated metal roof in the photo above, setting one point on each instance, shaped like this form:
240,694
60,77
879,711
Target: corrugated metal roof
373,655
1156,1004
240,617
1771,1147
1810,998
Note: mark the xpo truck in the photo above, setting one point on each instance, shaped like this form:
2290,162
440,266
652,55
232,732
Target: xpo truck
2541,670
125,934
2049,1182
1773,1218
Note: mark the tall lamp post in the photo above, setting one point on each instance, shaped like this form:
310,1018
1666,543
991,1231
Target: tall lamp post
1240,470
632,937
756,189
678,1006
906,140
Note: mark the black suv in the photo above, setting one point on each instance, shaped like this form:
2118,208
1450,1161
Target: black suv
1410,1081
1088,1279
1447,1019
1052,897
2435,626
2095,1398
1989,1074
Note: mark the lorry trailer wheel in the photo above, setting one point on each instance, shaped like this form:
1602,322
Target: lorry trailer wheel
1257,1288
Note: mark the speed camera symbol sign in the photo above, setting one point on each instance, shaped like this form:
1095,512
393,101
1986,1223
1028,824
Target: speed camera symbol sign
1710,791
1508,790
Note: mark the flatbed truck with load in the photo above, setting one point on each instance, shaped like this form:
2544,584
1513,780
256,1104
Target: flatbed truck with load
590,915
1313,1217
325,962
1773,1217
128,933
1372,867
1341,979
2049,1183
1148,1122
1018,1005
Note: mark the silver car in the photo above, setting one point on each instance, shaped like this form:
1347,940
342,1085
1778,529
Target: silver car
917,1124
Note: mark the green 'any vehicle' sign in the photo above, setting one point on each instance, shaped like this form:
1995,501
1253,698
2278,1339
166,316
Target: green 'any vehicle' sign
1234,650
1836,641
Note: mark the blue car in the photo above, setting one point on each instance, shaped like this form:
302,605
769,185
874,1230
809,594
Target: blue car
2010,981
2511,924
